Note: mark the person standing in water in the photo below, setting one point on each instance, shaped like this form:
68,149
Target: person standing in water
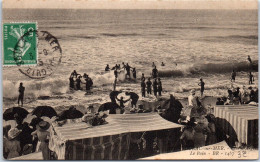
134,73
74,74
127,67
159,87
123,65
233,76
142,77
201,84
115,73
143,85
154,72
84,75
78,81
71,82
114,84
21,93
89,84
251,77
250,63
249,59
149,86
155,90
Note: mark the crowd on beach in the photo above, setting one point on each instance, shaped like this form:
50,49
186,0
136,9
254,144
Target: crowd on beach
200,129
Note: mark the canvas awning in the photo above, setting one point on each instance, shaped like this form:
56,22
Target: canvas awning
111,137
239,121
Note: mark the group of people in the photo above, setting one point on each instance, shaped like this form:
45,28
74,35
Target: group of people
126,67
31,134
26,138
147,86
75,80
239,96
132,96
250,77
200,127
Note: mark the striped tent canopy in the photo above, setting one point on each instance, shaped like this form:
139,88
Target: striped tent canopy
239,122
79,141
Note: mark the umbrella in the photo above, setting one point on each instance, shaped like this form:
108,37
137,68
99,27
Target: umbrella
9,113
109,106
40,111
70,114
173,109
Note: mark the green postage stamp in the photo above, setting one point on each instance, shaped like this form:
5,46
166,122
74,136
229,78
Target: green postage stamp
19,44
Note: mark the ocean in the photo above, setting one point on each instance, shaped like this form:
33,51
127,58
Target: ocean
193,44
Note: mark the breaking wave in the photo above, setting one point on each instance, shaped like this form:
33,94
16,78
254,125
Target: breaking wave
210,68
51,86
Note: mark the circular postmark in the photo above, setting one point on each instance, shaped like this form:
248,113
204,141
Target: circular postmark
48,52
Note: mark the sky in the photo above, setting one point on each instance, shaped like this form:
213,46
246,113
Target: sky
132,4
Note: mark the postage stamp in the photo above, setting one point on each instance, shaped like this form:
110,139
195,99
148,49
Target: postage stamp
19,44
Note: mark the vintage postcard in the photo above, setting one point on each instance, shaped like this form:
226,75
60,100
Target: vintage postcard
130,79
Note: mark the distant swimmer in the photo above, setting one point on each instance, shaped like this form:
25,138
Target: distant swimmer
153,65
201,84
154,72
149,86
162,64
134,73
107,68
251,77
21,93
233,75
134,98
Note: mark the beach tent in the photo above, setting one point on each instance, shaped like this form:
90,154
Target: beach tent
239,122
80,141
